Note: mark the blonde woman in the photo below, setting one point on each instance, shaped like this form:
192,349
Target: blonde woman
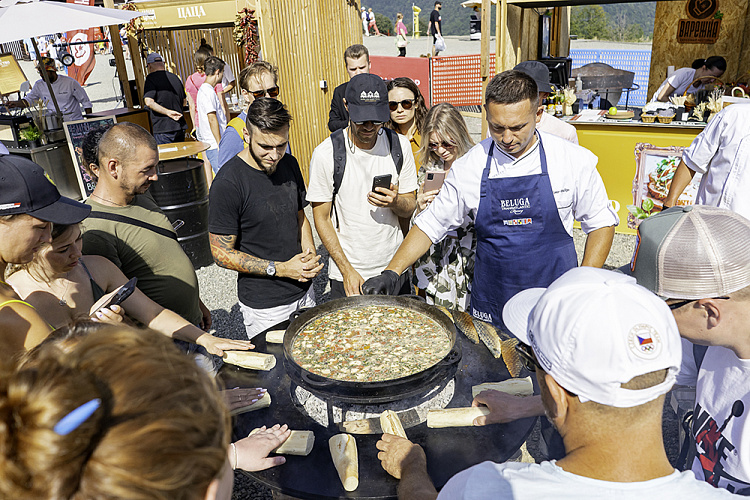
444,273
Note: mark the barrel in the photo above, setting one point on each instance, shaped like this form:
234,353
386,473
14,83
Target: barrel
182,194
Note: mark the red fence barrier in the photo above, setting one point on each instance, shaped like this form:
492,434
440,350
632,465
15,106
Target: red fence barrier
453,79
457,80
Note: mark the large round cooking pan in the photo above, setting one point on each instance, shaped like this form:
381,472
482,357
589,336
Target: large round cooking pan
371,392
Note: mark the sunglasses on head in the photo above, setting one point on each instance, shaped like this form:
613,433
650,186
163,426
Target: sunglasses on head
272,92
406,104
445,144
376,124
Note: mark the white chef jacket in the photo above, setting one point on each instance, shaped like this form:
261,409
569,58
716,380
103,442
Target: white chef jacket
556,126
69,93
722,154
576,185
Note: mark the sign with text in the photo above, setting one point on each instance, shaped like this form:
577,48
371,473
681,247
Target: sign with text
703,24
418,69
76,131
83,53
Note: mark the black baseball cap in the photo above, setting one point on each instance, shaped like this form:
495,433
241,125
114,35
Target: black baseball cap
539,72
367,99
26,189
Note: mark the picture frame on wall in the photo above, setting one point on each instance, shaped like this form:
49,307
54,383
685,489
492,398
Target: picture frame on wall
655,168
75,131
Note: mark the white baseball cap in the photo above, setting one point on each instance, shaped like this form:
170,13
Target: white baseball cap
593,330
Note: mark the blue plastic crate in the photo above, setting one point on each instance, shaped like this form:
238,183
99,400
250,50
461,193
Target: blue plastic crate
637,61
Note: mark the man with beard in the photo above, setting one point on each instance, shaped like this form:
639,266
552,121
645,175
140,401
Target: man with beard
127,227
257,224
366,233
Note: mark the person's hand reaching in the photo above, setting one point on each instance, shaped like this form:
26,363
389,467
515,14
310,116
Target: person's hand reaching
252,451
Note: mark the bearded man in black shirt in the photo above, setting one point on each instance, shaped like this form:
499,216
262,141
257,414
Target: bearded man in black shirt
257,224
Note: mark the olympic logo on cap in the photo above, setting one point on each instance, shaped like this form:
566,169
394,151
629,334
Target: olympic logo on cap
644,341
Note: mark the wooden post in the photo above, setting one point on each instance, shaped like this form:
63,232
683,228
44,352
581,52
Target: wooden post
520,36
138,70
501,28
484,67
122,71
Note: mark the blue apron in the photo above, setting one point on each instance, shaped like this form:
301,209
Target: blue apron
521,241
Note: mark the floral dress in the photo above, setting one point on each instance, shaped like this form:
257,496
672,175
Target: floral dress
446,270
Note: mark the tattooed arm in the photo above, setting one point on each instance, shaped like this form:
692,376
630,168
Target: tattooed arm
301,267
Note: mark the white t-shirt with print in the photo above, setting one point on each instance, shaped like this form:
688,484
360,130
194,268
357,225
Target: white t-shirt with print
522,481
720,424
207,102
369,235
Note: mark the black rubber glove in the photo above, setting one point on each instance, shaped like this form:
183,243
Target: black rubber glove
385,284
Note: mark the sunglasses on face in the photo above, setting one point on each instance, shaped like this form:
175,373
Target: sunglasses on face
375,124
680,303
406,104
528,358
445,145
272,92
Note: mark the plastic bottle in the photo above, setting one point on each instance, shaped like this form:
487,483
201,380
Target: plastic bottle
579,84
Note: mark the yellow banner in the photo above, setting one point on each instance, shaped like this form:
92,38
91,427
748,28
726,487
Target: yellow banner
174,14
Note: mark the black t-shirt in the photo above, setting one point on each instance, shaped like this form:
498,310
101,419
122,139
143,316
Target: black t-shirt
262,212
435,20
167,90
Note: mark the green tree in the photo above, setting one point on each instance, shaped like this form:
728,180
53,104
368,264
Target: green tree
589,22
385,26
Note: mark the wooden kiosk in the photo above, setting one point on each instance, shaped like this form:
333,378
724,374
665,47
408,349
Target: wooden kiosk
304,40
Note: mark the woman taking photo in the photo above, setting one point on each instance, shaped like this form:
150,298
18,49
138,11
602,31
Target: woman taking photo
683,78
407,111
63,286
445,272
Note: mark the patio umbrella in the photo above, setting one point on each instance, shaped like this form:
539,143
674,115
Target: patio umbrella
475,3
30,18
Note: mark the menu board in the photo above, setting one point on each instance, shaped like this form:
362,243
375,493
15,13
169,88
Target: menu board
75,131
11,74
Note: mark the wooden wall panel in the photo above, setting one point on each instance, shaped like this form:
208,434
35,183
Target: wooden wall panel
306,41
732,44
523,28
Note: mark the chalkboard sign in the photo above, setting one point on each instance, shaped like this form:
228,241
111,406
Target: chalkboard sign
75,131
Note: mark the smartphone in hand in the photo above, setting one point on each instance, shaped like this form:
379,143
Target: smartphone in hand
383,181
434,180
115,298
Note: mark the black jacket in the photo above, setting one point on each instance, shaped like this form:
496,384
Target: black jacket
338,117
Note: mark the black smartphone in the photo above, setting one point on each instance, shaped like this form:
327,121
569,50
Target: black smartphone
120,295
383,181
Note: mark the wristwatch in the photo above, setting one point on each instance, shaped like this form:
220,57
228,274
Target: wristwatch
271,268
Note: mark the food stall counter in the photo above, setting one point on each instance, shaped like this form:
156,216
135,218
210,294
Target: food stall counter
614,143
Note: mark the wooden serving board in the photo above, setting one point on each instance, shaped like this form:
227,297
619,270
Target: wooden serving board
621,115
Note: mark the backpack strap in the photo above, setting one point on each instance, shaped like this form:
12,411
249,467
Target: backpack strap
133,222
395,146
339,164
239,125
339,160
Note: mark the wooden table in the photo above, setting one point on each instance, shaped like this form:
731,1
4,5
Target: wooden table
181,149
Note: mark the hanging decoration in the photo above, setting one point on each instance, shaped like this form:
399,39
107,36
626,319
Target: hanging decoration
246,33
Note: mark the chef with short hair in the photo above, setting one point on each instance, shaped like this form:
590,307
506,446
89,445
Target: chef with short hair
524,189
